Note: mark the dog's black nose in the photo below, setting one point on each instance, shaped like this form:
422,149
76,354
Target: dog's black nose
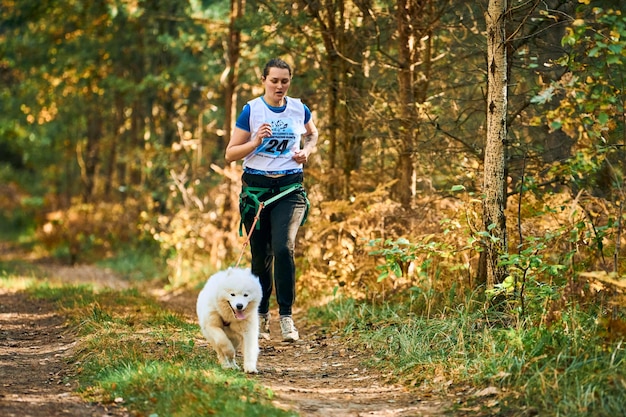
239,306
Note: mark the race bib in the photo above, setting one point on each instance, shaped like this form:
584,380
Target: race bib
283,138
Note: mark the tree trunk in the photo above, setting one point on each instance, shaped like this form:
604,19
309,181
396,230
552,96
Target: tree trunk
325,14
406,163
232,69
494,174
333,123
91,155
111,162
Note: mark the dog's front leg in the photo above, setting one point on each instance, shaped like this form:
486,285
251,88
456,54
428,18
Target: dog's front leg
223,347
250,352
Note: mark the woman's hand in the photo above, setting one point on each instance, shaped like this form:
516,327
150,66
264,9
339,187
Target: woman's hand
241,144
310,142
301,156
265,131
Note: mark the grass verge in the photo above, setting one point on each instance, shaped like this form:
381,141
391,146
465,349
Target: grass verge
138,263
498,366
134,353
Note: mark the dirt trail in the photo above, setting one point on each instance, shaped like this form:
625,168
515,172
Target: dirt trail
34,347
317,376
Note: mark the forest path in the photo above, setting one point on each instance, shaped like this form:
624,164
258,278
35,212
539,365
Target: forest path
317,376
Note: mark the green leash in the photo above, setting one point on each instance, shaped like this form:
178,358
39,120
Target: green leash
249,191
255,192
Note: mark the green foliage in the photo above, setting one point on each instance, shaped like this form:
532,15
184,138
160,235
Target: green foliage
533,279
138,262
162,389
85,232
18,208
395,256
399,254
97,90
432,269
587,102
568,368
135,353
591,97
202,236
66,297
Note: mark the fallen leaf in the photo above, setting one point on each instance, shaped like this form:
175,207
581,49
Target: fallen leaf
487,392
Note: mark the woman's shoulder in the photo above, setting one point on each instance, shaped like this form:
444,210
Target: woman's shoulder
294,101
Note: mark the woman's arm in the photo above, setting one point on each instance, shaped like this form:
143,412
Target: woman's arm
240,145
310,142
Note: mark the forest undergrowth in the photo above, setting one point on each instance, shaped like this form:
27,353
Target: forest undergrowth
402,284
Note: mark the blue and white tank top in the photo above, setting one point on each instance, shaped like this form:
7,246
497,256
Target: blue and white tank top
275,155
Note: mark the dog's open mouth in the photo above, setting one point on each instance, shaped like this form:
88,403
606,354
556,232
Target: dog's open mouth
240,314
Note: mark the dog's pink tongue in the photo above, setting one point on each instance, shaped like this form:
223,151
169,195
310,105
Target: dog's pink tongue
240,315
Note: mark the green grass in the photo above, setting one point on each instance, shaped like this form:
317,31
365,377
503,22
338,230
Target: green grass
138,262
16,270
18,226
135,353
569,369
22,241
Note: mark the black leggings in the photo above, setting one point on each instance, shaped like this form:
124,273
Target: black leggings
273,241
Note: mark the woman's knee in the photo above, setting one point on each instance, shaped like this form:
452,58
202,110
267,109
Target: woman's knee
283,250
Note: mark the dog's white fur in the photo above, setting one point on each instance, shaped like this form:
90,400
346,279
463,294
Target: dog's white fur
227,312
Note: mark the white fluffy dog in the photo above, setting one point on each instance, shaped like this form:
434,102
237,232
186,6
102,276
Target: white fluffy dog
227,311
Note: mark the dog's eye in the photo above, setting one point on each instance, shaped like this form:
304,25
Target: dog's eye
245,295
232,294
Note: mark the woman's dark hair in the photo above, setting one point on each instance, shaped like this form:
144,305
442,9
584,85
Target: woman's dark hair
275,63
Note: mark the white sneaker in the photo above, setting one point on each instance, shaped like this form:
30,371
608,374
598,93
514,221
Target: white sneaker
264,326
288,329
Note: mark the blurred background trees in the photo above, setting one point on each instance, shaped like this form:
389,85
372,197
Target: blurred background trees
115,115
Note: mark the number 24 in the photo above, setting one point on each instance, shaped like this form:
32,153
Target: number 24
275,145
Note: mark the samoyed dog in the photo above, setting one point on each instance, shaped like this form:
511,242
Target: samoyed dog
228,316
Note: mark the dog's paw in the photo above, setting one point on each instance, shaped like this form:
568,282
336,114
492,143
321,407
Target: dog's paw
230,364
249,366
250,370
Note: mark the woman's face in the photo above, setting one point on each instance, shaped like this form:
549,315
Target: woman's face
276,84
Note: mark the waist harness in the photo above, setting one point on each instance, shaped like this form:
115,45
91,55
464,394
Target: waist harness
249,200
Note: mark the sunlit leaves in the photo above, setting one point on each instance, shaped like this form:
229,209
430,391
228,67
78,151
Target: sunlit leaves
589,94
118,72
401,255
544,96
